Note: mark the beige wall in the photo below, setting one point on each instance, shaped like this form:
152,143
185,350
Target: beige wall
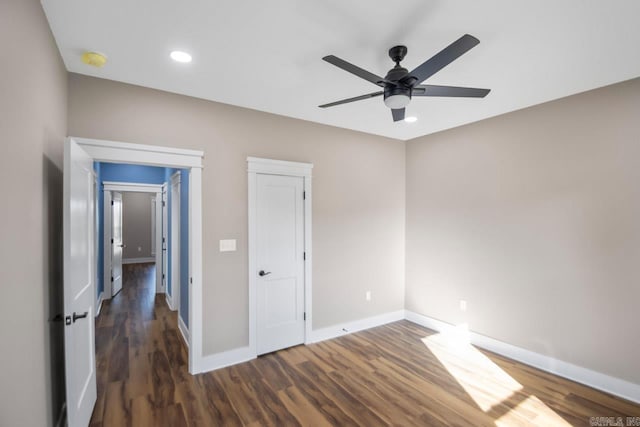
33,120
533,218
358,197
136,225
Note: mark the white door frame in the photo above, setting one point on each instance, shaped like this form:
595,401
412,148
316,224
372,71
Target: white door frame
257,166
122,152
156,189
175,245
164,242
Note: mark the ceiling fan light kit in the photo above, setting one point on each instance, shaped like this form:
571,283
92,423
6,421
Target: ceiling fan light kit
400,85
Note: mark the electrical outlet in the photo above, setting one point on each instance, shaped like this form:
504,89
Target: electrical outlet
463,305
368,296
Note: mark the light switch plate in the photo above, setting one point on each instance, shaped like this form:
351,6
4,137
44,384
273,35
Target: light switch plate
228,245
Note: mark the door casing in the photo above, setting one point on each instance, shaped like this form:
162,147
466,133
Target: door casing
258,166
156,189
175,241
191,160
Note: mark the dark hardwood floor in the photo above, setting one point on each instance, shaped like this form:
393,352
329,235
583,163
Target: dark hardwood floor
398,374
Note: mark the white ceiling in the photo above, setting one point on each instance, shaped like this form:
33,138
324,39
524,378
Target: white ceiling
266,55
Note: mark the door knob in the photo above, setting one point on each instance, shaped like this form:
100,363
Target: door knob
123,246
79,316
263,273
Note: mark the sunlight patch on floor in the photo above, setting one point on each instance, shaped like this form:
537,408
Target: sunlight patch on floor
544,416
491,388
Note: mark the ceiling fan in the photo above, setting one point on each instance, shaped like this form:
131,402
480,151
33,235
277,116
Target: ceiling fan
400,85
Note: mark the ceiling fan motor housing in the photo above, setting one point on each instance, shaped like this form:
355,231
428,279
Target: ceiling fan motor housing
399,93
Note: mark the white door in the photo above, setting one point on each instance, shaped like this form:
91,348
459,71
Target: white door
116,242
280,263
165,240
175,242
79,284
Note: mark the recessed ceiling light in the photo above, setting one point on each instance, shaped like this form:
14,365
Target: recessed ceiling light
180,56
411,119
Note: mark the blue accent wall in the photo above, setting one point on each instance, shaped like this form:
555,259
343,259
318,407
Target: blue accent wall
113,172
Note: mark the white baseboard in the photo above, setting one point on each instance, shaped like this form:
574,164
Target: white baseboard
226,358
244,354
168,299
138,260
597,380
355,326
183,330
99,303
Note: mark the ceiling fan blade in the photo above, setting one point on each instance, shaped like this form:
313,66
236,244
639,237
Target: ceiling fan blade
440,60
449,91
398,114
353,69
355,98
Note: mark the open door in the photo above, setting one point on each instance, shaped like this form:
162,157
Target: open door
117,245
79,284
165,266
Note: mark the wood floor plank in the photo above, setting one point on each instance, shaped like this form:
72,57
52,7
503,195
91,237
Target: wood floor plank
397,374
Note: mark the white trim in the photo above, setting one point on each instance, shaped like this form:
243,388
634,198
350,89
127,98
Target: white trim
176,178
99,303
227,358
194,296
124,152
184,331
168,300
257,166
157,255
120,152
162,238
174,237
106,246
346,328
154,224
138,260
244,354
278,167
597,380
132,186
107,188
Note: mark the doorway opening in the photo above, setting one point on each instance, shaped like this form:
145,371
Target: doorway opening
81,275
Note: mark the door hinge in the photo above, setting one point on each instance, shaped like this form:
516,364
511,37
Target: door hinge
191,280
304,317
304,256
304,195
164,203
112,241
112,203
162,276
112,278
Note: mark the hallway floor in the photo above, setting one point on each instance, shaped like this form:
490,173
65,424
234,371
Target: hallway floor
397,374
